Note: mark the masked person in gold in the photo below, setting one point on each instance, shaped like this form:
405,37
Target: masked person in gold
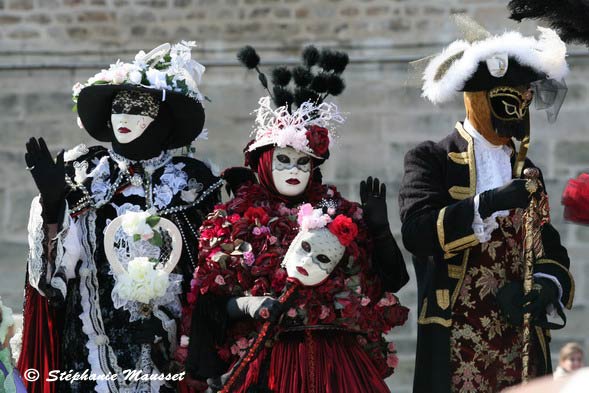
462,202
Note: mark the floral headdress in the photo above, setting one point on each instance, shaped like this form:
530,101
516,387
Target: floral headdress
167,72
302,119
341,226
164,68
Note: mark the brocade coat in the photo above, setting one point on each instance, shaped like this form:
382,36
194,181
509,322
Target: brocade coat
437,210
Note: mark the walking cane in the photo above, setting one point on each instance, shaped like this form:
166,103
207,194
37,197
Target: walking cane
535,215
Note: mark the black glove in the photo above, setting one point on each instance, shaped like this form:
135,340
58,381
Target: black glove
510,299
543,293
257,307
49,176
374,204
507,197
145,330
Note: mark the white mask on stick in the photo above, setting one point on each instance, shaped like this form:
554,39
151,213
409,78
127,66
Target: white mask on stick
312,256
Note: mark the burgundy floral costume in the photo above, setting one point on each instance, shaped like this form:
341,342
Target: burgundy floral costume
331,337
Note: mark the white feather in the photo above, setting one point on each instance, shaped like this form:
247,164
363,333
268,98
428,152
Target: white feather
547,54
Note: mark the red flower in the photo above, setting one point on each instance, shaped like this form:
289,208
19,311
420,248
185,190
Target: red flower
575,199
257,214
344,228
318,138
264,313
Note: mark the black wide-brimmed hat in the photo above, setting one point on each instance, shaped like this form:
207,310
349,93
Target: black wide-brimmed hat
167,72
94,110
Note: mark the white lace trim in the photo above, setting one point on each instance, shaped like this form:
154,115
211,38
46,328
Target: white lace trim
101,357
493,168
36,236
67,250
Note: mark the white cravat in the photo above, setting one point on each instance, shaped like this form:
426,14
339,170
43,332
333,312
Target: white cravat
493,169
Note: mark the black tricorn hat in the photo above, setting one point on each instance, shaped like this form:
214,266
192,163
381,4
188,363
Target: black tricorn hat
94,109
517,74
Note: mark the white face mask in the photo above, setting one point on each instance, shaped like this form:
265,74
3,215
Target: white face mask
127,127
312,256
291,171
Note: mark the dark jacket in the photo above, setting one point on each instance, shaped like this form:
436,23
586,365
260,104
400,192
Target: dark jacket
437,211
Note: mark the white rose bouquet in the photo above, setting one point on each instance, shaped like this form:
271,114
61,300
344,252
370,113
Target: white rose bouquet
142,282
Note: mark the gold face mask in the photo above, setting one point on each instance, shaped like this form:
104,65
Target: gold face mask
508,103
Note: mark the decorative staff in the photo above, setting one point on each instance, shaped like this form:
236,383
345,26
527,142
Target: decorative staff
535,215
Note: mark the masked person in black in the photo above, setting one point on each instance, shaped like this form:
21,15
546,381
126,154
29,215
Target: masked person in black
75,317
461,204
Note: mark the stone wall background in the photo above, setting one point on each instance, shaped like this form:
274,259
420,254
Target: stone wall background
48,45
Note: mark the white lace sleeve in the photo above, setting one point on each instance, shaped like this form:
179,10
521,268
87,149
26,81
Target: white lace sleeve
67,251
483,228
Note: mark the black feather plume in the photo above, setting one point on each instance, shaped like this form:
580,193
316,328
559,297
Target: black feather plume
302,76
310,56
341,61
320,82
568,17
281,76
335,85
282,96
328,60
248,57
263,79
303,94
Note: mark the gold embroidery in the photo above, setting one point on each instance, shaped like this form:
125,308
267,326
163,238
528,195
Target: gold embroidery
443,298
461,279
472,171
459,193
459,158
454,272
425,321
440,225
462,243
542,341
544,261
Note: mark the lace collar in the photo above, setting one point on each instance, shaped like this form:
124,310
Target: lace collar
148,165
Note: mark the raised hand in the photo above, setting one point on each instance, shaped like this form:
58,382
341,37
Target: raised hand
49,176
374,203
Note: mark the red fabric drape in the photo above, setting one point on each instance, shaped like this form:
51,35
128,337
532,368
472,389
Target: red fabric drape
40,341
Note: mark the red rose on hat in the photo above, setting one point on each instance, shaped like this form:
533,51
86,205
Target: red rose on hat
318,138
344,228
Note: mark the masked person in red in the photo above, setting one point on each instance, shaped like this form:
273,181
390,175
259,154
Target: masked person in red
346,264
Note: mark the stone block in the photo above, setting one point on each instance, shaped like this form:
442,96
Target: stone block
78,33
8,19
20,5
19,205
95,17
24,33
572,152
42,19
50,4
10,105
13,259
43,104
349,11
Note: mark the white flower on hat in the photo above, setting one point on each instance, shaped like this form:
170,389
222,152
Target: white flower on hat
165,67
135,223
157,79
